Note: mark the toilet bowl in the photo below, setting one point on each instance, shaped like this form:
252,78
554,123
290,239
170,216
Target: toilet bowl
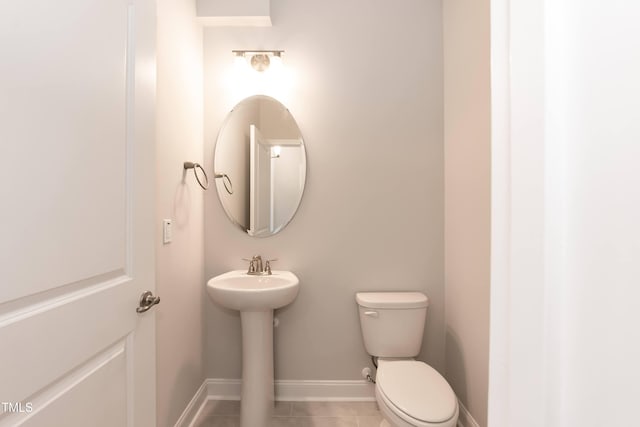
413,394
409,393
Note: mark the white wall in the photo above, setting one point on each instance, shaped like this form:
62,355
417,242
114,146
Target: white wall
365,87
180,264
566,240
231,12
467,153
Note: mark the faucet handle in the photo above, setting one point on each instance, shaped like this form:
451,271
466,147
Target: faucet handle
252,265
267,265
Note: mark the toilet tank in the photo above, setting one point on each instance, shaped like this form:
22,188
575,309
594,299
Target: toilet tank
392,323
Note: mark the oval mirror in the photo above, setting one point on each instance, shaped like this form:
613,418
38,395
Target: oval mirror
260,166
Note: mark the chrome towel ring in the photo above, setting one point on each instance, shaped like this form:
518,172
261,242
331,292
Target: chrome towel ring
194,166
226,181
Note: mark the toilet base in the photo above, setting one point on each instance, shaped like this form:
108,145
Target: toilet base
385,423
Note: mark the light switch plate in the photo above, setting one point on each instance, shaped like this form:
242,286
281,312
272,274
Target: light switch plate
166,231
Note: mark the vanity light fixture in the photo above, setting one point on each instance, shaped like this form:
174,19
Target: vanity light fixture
259,59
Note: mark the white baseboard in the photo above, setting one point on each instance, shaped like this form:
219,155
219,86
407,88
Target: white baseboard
320,391
303,390
191,412
325,391
222,389
464,418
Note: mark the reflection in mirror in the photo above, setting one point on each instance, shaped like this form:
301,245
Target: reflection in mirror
260,154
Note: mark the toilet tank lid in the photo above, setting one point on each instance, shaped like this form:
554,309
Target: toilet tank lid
392,300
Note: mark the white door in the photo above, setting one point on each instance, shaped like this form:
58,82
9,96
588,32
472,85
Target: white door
77,92
260,184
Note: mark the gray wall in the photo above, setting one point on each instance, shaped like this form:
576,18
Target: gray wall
467,147
365,87
180,264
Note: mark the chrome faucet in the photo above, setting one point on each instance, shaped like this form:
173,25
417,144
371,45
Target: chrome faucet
256,267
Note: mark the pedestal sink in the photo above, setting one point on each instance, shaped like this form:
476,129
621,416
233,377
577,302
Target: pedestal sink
255,296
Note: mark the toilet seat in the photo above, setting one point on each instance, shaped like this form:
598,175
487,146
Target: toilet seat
416,392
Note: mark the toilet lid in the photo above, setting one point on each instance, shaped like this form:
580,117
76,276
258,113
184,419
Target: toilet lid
417,389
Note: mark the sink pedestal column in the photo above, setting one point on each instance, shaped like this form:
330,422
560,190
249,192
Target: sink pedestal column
256,406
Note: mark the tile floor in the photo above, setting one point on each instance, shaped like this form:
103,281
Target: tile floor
226,413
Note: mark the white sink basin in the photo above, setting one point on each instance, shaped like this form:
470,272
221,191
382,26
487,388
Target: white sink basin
240,291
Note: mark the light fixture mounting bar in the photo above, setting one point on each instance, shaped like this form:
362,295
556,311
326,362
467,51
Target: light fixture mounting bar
250,52
274,51
259,58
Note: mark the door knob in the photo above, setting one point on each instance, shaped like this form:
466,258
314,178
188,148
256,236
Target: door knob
147,300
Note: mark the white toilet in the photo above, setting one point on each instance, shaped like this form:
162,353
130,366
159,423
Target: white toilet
410,393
